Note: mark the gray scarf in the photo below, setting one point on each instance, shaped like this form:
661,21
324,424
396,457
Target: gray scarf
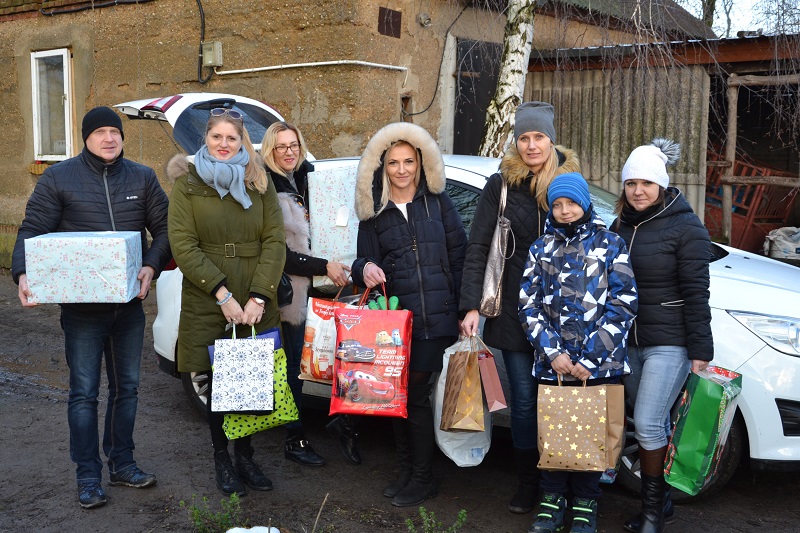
225,176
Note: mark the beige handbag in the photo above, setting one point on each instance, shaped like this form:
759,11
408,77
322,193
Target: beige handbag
492,300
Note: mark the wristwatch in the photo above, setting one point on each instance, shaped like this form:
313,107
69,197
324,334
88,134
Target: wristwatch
259,301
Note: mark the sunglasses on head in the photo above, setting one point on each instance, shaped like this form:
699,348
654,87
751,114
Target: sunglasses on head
220,111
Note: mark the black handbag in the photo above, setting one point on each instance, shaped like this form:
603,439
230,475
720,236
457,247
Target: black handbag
285,291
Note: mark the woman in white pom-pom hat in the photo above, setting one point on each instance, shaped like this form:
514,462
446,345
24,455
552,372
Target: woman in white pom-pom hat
669,250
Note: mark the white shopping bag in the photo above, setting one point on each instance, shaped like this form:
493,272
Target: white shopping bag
243,374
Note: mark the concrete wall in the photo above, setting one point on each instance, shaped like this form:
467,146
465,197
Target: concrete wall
148,50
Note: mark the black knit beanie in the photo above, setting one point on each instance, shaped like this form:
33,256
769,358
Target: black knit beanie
100,117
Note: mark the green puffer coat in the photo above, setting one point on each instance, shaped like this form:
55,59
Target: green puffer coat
200,225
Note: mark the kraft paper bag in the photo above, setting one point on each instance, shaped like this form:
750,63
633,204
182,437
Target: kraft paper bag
581,428
462,408
705,415
464,448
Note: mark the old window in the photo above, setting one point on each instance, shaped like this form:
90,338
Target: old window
52,104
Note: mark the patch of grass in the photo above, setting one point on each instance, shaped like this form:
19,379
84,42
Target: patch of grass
204,520
431,525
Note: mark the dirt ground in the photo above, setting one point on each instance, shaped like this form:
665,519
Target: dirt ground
38,488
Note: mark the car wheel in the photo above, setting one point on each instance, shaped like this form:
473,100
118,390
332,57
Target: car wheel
630,474
196,387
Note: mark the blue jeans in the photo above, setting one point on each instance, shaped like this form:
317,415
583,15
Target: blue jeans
656,379
117,336
577,484
293,346
524,387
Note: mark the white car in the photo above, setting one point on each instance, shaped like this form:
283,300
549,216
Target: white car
755,304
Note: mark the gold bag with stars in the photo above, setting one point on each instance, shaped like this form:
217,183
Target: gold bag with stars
580,428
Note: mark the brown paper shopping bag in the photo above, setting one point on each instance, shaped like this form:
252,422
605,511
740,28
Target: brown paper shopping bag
580,428
462,408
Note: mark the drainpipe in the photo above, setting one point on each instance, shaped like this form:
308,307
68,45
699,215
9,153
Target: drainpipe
316,64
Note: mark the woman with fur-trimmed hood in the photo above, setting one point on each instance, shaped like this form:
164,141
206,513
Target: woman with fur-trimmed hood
527,169
411,238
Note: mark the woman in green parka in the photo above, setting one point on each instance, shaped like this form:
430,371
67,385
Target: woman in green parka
226,234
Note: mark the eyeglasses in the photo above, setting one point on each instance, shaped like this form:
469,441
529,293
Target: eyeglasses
282,148
221,111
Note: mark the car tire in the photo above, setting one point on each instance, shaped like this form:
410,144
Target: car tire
630,476
196,387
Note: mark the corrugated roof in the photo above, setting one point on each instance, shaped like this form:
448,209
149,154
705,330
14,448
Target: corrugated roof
660,16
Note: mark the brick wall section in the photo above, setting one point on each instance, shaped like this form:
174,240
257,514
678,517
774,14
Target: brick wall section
16,9
13,9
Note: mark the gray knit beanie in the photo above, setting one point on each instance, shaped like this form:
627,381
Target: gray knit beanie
534,116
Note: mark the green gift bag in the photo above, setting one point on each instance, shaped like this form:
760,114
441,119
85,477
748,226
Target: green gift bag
705,415
238,425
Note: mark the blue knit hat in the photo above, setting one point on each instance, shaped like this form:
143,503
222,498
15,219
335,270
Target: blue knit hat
571,185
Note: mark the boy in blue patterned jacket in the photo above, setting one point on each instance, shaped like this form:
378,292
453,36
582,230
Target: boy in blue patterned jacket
577,302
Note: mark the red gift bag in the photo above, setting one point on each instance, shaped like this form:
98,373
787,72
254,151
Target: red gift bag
370,372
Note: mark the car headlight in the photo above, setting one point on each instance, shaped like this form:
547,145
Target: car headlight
781,332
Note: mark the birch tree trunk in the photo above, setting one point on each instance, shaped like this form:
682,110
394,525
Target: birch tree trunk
499,127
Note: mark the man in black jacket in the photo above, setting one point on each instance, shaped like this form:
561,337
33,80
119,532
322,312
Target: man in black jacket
100,190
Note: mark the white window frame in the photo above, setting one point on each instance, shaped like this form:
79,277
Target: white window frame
67,99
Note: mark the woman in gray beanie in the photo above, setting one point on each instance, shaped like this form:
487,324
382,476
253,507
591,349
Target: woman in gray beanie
526,170
669,249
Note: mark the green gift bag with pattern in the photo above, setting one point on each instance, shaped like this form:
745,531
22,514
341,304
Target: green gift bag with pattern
705,415
238,425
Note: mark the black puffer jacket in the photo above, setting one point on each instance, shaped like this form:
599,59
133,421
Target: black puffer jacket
297,263
71,196
670,252
422,257
527,223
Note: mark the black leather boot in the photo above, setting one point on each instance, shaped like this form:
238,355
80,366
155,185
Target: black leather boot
652,517
669,514
227,479
248,470
298,449
343,427
527,494
653,488
403,448
423,443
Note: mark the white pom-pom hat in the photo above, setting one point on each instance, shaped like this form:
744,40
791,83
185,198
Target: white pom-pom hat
649,162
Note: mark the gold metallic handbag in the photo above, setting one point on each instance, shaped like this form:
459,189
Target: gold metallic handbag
492,299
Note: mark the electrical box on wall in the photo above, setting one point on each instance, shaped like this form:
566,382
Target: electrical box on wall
212,54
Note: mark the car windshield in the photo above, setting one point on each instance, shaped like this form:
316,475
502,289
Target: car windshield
190,127
603,203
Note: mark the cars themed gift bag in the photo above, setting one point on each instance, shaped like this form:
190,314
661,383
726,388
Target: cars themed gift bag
371,365
319,341
705,415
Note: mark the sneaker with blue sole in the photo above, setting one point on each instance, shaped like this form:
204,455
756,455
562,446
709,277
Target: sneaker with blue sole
91,495
132,477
